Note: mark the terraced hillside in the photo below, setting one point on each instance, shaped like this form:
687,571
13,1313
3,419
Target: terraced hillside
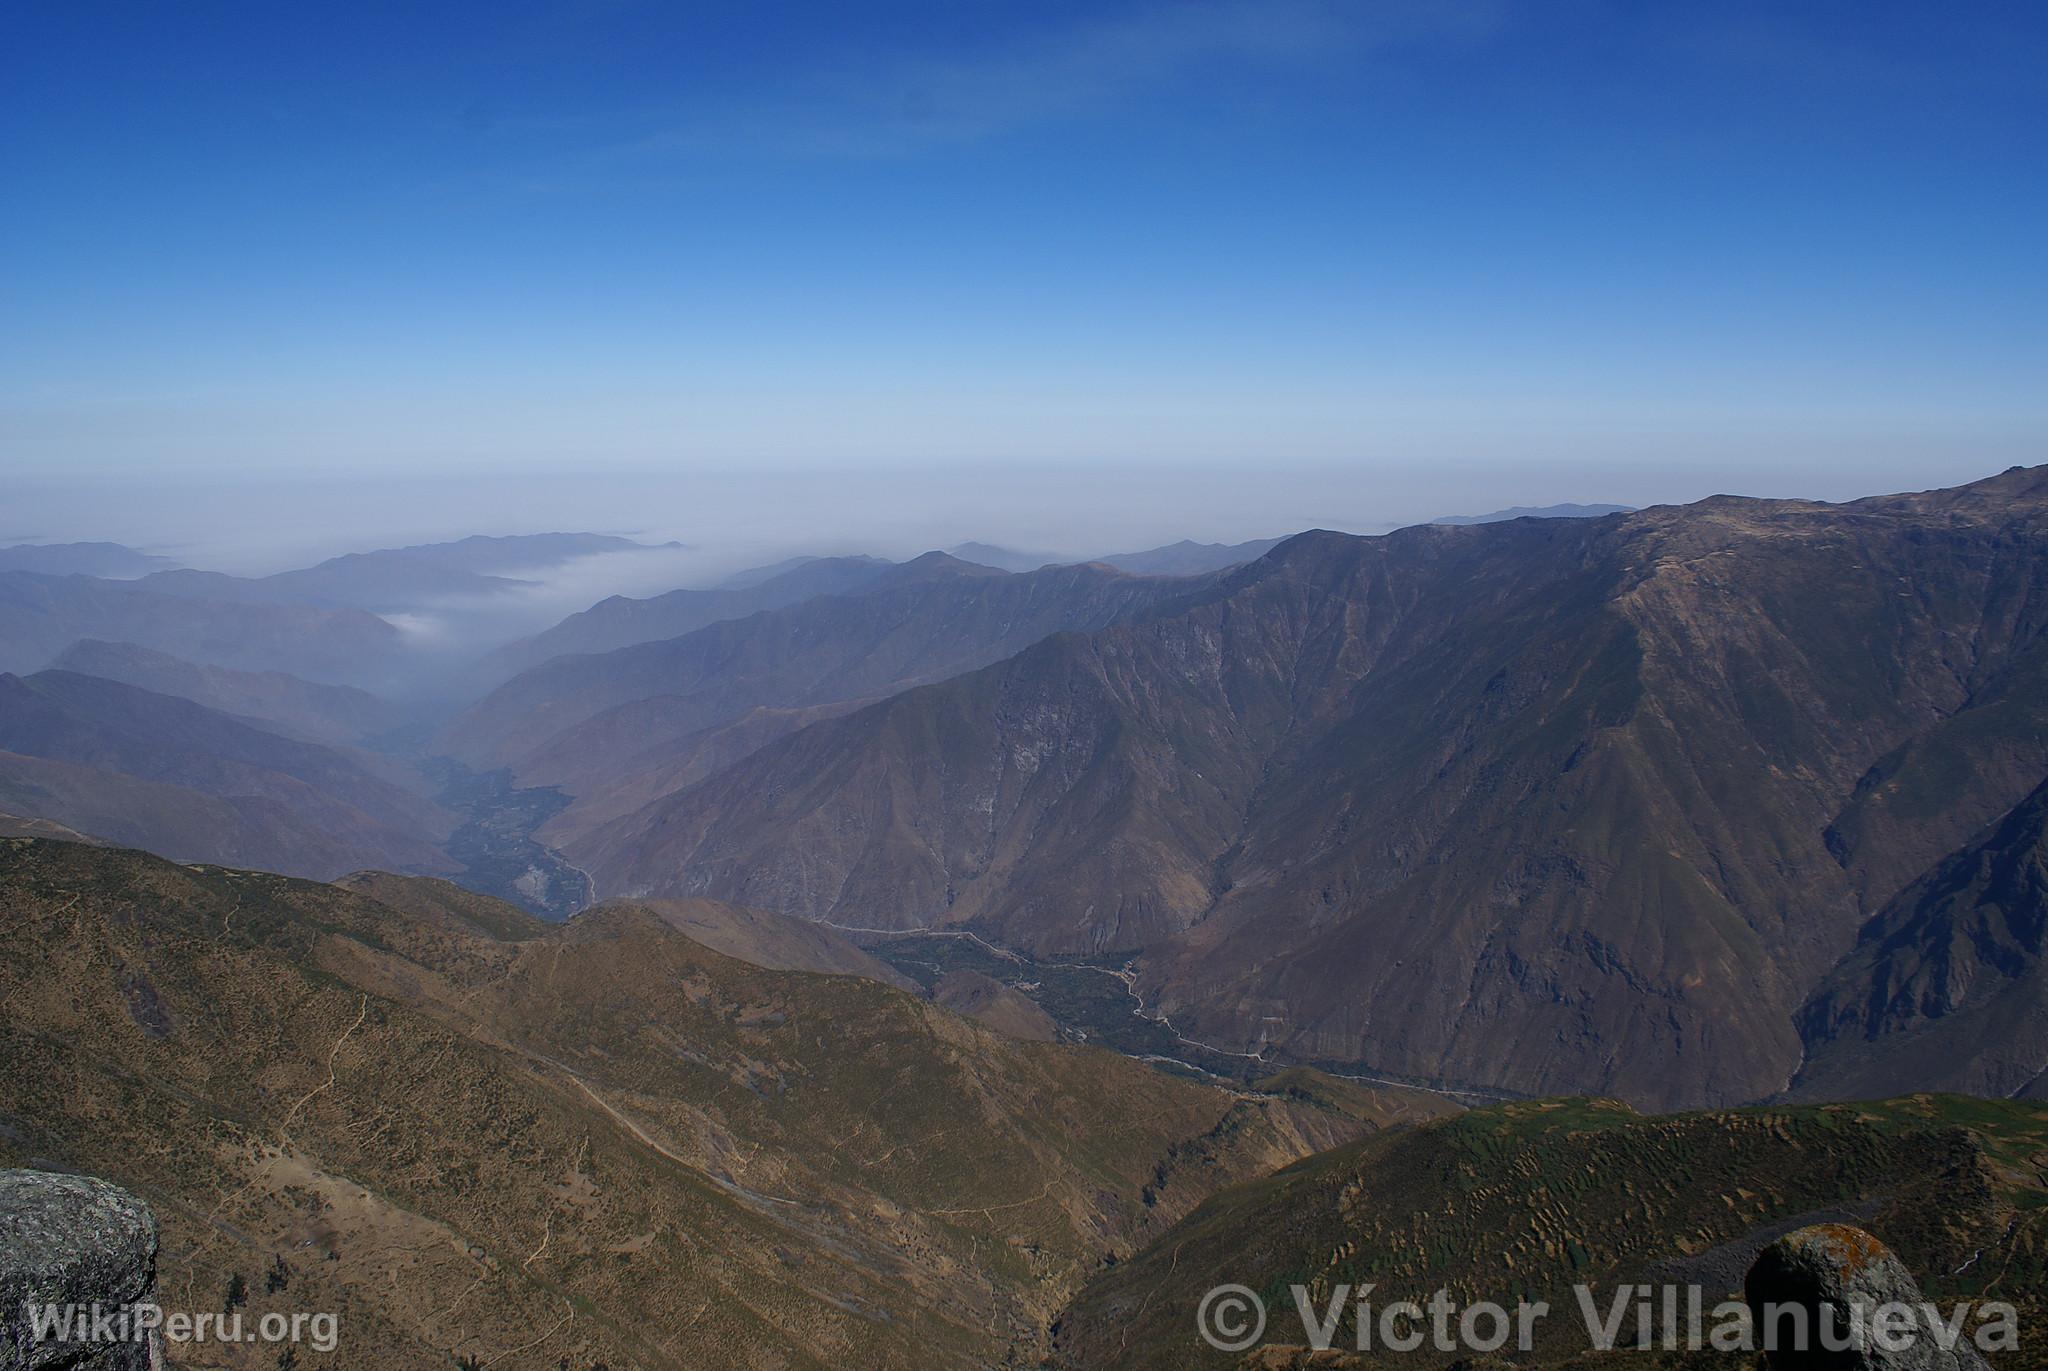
1525,1200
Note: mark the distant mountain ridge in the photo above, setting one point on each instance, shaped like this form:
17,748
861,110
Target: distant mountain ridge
1189,558
596,725
161,772
619,622
110,560
392,579
41,616
1537,512
324,713
1002,558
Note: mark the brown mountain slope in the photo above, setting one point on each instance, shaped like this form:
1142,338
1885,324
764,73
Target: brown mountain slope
1544,805
176,777
625,758
1947,989
446,905
605,1142
15,826
779,942
1002,1008
316,838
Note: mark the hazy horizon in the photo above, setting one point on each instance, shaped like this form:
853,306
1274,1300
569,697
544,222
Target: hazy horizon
732,519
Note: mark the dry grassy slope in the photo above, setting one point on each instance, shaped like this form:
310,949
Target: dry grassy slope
1525,1200
603,1143
1545,805
18,826
776,941
446,905
989,1001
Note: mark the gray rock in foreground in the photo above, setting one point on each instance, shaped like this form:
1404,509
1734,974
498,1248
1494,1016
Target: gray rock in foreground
1853,1275
72,1241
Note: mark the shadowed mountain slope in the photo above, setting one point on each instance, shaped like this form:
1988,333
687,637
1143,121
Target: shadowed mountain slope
618,722
41,616
603,1142
1947,989
164,773
1541,805
323,713
619,621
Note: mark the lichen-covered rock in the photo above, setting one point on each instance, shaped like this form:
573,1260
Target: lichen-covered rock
72,1243
1847,1276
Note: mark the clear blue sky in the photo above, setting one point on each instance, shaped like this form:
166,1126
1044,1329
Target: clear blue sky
1784,237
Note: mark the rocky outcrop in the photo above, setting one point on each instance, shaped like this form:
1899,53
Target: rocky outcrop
1843,1275
80,1246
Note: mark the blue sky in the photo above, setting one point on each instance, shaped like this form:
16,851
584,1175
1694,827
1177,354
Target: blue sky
1572,241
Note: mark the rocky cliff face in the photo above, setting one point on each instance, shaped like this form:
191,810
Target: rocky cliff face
73,1243
1947,988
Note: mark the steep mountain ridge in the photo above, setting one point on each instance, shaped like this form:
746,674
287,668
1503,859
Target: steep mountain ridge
1472,804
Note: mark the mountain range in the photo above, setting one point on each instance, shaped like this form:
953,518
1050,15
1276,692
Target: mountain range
1473,805
111,560
1691,805
42,615
640,721
400,578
